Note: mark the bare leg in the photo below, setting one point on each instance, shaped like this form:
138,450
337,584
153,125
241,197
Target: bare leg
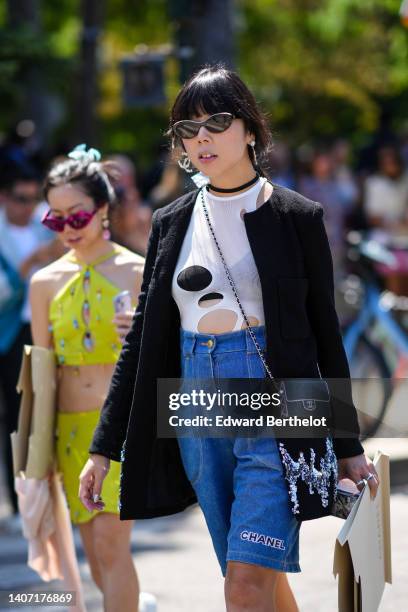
252,588
111,541
284,598
86,531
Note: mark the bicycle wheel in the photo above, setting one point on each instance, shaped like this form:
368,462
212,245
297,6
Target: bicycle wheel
371,385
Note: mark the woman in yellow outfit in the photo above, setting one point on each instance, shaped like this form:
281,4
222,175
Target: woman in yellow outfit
73,312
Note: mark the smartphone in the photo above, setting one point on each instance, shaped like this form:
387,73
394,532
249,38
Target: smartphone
122,302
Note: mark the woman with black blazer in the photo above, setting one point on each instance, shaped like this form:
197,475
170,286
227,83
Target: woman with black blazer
238,237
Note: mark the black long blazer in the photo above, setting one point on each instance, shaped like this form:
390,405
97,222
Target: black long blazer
292,255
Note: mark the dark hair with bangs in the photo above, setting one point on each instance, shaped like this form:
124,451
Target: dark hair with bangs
94,178
215,89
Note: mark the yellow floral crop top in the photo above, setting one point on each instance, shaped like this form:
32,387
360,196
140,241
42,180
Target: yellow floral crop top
81,316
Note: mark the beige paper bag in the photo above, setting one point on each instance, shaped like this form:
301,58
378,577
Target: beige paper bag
47,528
362,555
33,443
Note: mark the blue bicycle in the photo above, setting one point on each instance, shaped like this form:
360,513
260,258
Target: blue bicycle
378,323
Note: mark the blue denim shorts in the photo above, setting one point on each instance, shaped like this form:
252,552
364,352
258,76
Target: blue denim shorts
239,482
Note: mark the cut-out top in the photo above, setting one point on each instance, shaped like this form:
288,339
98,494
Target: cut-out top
200,286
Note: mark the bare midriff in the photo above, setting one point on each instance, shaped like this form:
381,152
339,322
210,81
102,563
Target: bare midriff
83,388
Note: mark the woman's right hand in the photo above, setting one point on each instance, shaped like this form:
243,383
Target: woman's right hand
91,480
123,323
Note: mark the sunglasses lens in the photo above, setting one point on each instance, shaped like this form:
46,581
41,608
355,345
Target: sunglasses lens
219,122
80,219
186,129
53,223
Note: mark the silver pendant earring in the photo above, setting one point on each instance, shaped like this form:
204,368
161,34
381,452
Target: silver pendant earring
252,144
185,163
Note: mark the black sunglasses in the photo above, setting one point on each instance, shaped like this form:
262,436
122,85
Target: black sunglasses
187,128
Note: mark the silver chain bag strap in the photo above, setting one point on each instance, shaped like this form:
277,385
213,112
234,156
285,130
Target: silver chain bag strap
298,397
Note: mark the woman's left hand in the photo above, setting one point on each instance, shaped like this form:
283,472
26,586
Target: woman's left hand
358,469
123,323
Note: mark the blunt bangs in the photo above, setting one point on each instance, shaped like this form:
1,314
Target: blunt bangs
206,95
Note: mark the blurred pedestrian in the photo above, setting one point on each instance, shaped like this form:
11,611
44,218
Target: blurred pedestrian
240,236
386,192
321,185
25,246
342,172
130,217
170,185
386,208
281,166
73,313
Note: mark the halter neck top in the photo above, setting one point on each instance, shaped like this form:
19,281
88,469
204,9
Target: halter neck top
81,314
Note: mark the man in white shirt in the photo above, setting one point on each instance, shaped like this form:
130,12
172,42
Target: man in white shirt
386,192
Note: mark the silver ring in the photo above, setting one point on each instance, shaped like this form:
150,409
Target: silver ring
366,479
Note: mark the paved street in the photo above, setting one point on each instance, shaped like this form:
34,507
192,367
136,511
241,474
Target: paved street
176,562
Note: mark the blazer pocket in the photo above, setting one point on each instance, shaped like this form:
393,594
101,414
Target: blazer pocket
294,322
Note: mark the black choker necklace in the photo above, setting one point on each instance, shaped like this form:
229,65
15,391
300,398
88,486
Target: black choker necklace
248,184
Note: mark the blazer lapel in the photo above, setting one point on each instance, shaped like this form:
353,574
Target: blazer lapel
265,236
269,232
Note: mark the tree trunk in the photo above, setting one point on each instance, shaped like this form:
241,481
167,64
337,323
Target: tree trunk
24,12
35,102
206,27
92,12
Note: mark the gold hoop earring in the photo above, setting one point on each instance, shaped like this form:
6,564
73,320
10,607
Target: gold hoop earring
185,163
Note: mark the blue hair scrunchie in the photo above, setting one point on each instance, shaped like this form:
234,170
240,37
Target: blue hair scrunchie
82,155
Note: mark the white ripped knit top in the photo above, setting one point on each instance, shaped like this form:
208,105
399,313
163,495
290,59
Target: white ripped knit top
200,286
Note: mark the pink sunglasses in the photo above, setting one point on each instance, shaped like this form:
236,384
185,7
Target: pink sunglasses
77,220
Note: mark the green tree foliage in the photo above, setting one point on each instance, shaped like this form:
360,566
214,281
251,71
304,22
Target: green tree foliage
325,67
321,68
50,48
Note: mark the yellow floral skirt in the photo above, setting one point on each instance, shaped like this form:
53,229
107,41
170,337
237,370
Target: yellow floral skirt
74,435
